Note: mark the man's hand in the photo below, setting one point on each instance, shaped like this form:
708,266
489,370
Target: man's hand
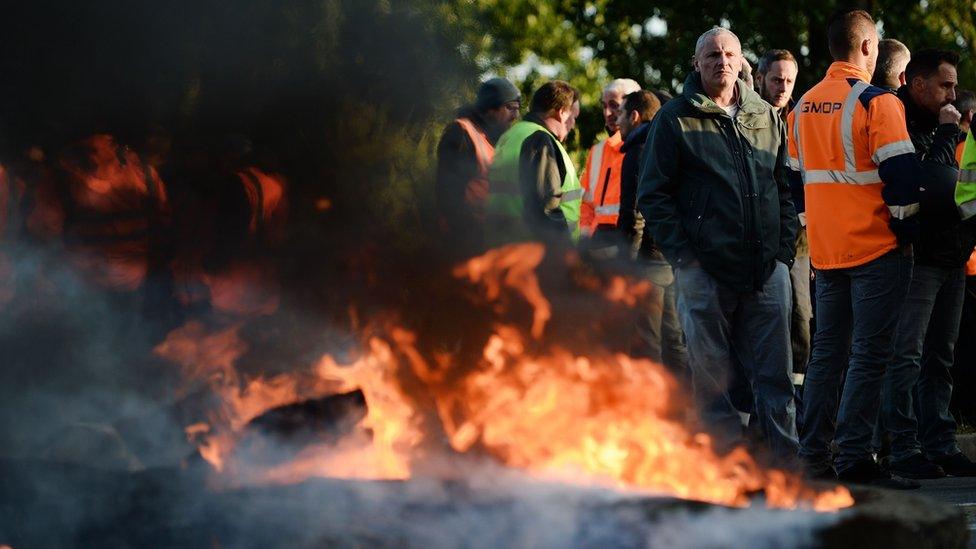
949,115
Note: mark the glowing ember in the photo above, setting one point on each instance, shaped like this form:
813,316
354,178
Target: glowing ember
602,418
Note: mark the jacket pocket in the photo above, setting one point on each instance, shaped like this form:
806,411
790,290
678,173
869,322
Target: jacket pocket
698,210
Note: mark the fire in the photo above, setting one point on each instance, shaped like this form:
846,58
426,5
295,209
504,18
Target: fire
602,418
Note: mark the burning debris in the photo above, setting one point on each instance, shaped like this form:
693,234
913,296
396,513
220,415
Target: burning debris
601,418
218,342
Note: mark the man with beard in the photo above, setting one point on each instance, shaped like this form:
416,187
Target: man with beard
659,335
464,155
777,72
601,176
925,446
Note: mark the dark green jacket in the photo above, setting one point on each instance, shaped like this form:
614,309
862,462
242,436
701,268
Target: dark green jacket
715,189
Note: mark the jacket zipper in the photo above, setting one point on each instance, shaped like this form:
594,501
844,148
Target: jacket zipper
751,197
606,183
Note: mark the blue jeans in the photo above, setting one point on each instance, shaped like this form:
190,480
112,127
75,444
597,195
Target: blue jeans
925,340
857,311
755,327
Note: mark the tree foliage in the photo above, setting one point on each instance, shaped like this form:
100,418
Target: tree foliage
588,42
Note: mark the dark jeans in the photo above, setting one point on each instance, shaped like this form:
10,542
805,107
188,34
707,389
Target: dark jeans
924,342
755,327
857,311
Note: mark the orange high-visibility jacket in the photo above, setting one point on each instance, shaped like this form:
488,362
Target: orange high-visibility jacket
476,193
849,142
108,206
601,184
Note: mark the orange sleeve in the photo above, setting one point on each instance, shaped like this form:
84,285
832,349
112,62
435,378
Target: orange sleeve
587,210
887,132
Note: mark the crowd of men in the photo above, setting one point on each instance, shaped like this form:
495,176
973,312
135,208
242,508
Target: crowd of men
114,218
734,198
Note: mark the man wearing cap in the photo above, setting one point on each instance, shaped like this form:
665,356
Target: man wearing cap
464,154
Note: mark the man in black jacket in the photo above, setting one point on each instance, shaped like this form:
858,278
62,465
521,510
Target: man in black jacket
925,447
659,335
464,154
714,188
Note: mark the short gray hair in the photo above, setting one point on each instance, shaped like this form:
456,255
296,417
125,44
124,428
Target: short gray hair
622,86
714,31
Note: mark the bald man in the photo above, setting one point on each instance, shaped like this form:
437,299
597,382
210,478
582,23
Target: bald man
713,188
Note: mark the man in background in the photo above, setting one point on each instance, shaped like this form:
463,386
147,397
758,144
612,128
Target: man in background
534,192
464,154
601,176
893,57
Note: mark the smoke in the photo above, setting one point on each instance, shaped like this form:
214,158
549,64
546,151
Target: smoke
494,507
343,98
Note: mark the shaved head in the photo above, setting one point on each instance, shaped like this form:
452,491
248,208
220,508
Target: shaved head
847,30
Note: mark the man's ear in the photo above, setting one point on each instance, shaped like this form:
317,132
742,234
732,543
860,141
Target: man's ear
866,47
694,62
634,118
917,84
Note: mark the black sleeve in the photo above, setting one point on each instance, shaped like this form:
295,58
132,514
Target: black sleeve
900,175
456,166
657,189
943,148
939,174
628,193
788,223
541,173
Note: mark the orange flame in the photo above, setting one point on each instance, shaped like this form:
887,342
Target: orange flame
601,418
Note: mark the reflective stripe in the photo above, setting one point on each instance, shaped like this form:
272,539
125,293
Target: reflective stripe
608,209
794,164
569,196
796,134
967,209
596,165
967,176
869,177
847,124
483,149
901,212
893,149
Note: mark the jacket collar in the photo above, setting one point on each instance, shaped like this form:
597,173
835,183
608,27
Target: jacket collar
918,118
845,70
636,137
748,100
538,120
477,118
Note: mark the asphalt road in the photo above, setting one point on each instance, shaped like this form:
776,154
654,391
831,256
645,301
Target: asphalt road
959,491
